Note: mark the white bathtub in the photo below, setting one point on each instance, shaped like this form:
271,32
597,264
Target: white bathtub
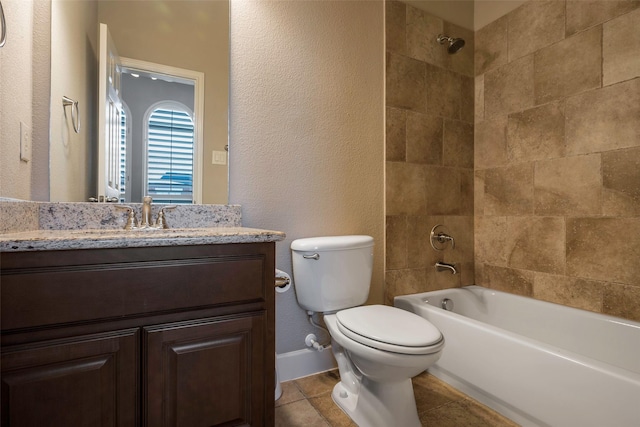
540,364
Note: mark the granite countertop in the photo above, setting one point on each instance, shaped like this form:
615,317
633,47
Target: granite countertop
42,240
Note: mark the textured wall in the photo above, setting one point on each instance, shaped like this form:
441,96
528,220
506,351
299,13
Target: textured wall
557,156
306,129
429,151
15,98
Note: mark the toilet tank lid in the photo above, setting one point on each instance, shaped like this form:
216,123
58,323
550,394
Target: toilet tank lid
331,243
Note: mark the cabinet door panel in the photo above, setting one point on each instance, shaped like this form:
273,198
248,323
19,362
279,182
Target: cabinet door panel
84,381
205,373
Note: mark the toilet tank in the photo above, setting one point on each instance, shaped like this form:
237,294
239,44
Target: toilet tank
332,273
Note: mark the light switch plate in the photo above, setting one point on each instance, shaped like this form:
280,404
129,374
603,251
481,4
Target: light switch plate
25,142
219,158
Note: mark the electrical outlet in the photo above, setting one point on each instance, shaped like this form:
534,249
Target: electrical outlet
219,158
25,142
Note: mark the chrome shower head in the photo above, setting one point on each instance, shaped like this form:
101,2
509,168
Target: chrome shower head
455,44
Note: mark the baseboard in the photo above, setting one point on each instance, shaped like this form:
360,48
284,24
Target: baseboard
302,363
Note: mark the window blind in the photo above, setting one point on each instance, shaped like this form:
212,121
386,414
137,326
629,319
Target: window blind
170,156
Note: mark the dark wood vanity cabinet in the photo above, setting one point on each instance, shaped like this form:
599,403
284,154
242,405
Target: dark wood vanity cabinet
156,336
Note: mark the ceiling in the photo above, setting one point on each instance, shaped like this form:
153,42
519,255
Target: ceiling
469,14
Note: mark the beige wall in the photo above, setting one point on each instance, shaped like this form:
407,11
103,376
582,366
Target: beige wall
74,33
307,129
186,34
15,98
557,154
429,151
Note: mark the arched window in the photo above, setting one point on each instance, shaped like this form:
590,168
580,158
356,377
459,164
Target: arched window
169,160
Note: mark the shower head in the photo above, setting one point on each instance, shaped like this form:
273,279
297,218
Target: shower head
455,44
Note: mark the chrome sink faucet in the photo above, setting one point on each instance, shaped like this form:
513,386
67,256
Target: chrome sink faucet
146,222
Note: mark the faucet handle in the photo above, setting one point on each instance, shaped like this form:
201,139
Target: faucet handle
161,221
132,221
439,238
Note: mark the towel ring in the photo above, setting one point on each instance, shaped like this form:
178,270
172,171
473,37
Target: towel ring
75,118
3,35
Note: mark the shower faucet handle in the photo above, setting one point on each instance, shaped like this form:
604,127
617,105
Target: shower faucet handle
443,238
439,238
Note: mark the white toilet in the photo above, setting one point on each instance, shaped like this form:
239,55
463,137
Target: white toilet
378,348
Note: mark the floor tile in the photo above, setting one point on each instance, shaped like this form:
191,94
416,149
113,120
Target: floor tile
299,413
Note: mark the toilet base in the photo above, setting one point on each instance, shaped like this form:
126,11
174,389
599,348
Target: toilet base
379,404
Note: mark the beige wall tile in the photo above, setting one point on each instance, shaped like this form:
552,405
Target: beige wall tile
466,191
405,83
406,281
479,99
534,25
509,190
621,48
621,181
462,61
537,133
604,119
490,240
510,280
405,193
396,242
569,291
444,90
395,147
568,186
571,66
478,192
420,254
443,190
491,45
467,104
605,249
461,229
509,88
583,14
458,144
395,27
622,301
422,34
424,138
537,243
490,143
479,274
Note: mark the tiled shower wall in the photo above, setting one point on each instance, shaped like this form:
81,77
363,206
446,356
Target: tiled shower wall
556,157
429,151
557,154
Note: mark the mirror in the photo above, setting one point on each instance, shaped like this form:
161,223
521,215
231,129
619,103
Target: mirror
192,35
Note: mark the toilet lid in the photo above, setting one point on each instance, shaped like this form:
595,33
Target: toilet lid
389,328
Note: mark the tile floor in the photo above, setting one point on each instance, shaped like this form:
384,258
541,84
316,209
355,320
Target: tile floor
306,402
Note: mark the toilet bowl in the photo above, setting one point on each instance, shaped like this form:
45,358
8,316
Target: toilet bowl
375,387
378,348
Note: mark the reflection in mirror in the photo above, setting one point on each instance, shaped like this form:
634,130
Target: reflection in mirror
191,35
161,137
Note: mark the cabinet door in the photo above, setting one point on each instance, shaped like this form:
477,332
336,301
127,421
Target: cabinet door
90,381
208,372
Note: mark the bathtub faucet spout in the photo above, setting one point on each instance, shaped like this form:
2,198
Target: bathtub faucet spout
443,266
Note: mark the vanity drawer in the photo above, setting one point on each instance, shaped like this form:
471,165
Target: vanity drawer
131,283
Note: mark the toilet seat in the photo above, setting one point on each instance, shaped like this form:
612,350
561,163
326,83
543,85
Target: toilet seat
390,329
